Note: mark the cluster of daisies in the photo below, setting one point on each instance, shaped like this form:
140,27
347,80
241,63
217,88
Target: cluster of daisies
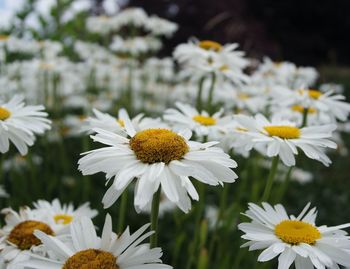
209,109
55,235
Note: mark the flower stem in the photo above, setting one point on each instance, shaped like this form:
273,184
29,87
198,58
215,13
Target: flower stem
305,112
270,179
211,92
199,94
154,218
122,211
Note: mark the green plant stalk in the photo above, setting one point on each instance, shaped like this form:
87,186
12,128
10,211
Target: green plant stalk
154,218
270,179
211,92
122,211
199,212
199,94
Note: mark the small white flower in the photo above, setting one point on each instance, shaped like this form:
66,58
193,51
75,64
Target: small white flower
19,124
282,138
295,239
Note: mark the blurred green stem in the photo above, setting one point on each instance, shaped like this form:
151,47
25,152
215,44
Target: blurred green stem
199,94
122,211
270,179
211,92
154,218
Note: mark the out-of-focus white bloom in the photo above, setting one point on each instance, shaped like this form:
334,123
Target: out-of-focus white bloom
63,214
203,57
18,163
201,123
332,104
158,26
19,124
135,46
3,193
282,138
286,74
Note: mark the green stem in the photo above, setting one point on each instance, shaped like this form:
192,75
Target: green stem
154,218
122,211
199,94
305,112
270,179
284,185
211,92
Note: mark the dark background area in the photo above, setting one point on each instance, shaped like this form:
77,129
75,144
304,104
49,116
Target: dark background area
307,32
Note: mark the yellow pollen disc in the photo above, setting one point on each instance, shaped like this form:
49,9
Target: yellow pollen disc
277,64
91,259
301,109
158,145
63,219
4,37
45,66
241,129
204,120
4,113
285,132
295,232
315,94
82,117
121,122
243,96
22,234
210,45
224,68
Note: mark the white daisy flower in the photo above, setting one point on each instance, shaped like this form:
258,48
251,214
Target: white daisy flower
64,214
295,239
282,138
332,104
156,157
19,124
201,123
211,57
88,250
116,125
17,238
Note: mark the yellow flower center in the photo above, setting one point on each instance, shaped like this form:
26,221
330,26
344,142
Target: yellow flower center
158,145
4,113
204,120
315,94
4,37
121,122
301,109
243,96
285,132
224,68
22,234
91,259
210,45
63,219
295,232
45,66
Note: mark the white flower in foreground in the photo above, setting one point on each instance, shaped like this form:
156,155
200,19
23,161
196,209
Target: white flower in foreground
17,238
295,239
282,138
19,124
156,157
201,123
64,214
87,250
